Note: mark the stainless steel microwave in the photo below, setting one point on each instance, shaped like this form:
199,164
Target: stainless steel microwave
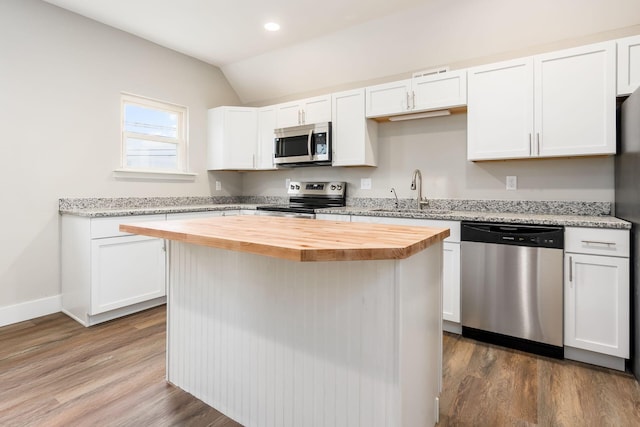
306,145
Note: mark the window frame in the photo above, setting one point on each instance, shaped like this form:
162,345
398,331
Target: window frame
181,140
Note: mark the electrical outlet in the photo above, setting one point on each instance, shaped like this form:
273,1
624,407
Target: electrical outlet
218,186
512,182
365,184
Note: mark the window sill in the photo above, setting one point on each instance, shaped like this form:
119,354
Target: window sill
144,175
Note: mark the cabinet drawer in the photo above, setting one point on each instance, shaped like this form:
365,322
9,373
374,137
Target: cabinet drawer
110,227
193,215
597,241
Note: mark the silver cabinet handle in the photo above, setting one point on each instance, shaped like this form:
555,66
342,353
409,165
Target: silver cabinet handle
571,271
530,145
538,143
304,118
413,100
595,242
407,96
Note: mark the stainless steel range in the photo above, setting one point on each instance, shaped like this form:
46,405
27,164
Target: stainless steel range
306,197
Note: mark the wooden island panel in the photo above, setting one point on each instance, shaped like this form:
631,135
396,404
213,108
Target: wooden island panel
297,239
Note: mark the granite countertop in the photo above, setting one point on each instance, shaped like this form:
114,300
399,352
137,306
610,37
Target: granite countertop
596,221
99,212
572,214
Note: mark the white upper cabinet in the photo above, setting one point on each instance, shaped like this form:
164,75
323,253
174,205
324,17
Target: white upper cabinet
575,101
433,92
304,112
628,65
446,90
500,110
354,137
232,137
388,99
266,137
556,104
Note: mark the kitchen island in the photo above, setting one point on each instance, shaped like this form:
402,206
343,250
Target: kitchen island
294,322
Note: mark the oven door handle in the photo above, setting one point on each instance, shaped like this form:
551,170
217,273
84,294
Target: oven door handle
309,144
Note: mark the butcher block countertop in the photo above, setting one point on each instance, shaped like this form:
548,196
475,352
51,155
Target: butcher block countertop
296,239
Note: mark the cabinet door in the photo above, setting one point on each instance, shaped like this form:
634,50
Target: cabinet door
575,109
266,137
500,110
288,114
439,91
597,304
388,99
316,110
628,65
233,132
354,137
451,282
451,259
126,270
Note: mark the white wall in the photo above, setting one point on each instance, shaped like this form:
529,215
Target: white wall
437,146
60,81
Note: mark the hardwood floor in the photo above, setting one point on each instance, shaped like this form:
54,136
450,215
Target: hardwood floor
487,385
54,372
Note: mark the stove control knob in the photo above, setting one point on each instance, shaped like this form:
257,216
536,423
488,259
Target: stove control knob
339,187
333,187
293,187
297,187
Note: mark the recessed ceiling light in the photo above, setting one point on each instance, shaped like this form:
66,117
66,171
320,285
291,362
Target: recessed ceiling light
271,26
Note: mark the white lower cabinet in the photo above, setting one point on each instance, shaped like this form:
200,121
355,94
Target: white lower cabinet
106,273
193,215
125,271
596,292
451,263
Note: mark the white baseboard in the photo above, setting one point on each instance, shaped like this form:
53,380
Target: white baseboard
30,310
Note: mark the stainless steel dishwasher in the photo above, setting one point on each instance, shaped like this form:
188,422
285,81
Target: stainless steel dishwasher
511,285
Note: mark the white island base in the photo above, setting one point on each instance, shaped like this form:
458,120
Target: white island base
273,342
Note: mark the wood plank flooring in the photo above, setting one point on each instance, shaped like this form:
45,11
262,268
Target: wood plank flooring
54,372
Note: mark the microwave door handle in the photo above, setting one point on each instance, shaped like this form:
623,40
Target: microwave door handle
309,145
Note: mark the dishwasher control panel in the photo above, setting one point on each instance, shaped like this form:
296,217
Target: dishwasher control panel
513,234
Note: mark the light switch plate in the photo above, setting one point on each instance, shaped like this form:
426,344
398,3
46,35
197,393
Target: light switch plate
365,184
512,182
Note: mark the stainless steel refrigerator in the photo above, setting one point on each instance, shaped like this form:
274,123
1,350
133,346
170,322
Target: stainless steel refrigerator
627,205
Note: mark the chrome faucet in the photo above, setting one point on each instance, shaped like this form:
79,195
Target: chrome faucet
393,190
416,181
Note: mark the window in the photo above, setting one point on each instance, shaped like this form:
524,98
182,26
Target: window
153,135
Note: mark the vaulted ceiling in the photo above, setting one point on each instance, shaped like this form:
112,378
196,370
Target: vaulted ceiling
328,43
